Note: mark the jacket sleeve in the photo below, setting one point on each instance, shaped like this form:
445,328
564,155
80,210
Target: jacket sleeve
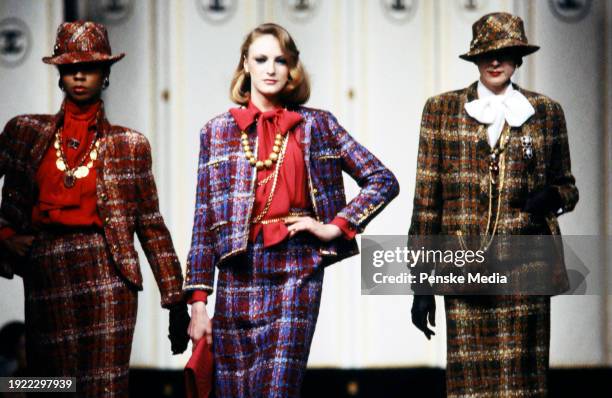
427,205
5,149
559,172
152,231
378,184
202,256
6,154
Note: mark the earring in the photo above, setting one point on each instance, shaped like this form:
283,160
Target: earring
106,83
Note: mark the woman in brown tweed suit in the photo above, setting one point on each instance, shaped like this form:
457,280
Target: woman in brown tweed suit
76,189
493,160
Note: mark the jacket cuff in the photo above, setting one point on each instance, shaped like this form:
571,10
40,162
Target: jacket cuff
171,299
198,295
347,229
565,197
6,232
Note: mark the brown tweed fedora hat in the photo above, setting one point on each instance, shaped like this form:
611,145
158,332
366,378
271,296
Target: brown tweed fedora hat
498,31
81,41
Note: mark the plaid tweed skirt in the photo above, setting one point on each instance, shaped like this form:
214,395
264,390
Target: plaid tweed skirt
497,346
79,313
266,310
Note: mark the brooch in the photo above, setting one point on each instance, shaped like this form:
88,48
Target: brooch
526,143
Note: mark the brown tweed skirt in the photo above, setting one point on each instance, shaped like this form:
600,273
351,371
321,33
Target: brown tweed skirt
497,346
79,313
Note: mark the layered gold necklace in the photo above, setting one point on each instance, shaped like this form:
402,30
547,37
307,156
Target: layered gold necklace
275,158
81,170
273,176
497,170
274,155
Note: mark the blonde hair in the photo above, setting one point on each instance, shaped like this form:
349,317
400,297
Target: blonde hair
297,89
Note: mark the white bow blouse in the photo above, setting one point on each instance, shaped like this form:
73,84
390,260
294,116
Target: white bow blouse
494,110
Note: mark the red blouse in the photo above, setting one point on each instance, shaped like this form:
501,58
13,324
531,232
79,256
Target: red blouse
291,189
58,204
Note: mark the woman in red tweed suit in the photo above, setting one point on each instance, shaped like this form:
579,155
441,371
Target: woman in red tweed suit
271,214
76,189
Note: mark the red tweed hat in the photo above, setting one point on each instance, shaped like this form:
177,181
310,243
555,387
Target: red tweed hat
81,42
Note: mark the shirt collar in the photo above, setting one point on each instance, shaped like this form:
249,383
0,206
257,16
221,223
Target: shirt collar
484,92
512,106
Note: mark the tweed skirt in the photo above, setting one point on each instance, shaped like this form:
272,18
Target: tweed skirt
79,313
266,310
497,346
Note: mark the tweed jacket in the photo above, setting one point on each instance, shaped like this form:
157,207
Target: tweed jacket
452,182
226,190
126,196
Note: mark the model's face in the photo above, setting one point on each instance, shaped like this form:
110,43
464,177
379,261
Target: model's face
496,71
267,65
83,82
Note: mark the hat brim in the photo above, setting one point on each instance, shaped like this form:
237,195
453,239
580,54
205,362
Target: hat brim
519,49
82,57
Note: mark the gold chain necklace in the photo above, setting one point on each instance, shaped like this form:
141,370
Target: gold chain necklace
81,170
266,208
260,164
494,167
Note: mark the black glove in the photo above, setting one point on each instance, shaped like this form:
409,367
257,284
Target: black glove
423,309
544,201
179,322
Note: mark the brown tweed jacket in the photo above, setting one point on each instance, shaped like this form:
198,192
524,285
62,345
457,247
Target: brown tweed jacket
452,183
127,196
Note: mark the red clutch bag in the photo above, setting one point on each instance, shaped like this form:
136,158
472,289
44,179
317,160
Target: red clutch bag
199,372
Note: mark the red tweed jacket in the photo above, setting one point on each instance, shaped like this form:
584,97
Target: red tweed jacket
127,196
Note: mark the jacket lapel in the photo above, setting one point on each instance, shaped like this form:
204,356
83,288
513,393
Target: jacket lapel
480,129
306,126
104,130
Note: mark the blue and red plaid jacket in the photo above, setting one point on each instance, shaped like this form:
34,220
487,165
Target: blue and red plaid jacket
225,191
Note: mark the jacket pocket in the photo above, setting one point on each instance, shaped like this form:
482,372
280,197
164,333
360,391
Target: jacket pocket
218,224
220,174
328,167
219,207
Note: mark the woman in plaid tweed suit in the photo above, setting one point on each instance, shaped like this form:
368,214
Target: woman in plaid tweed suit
270,214
76,189
494,149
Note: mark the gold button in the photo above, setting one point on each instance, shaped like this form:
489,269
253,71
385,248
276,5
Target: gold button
103,197
107,220
315,191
